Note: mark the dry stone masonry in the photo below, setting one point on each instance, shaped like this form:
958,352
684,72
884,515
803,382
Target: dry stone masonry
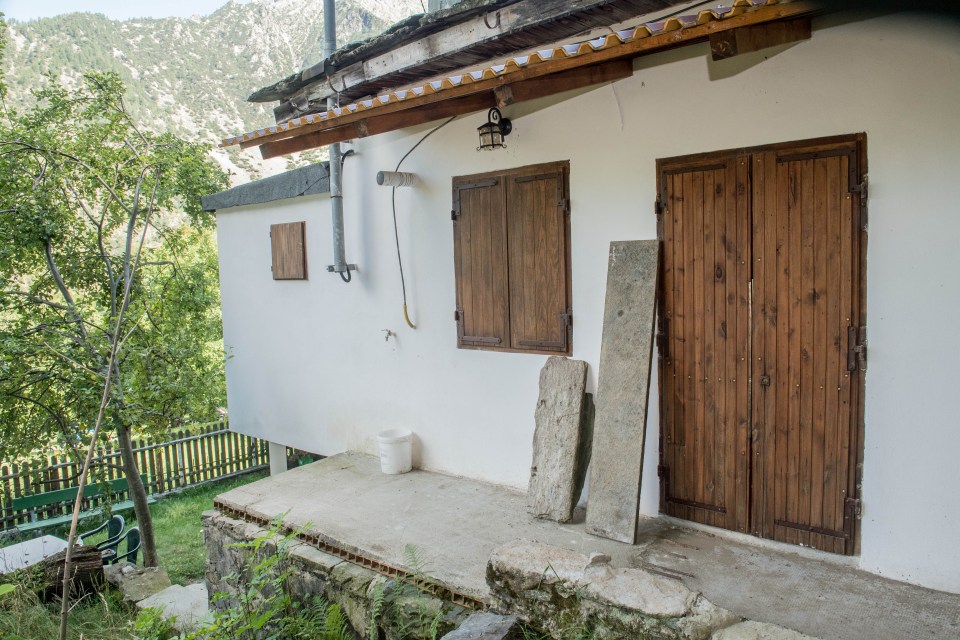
407,612
567,593
548,588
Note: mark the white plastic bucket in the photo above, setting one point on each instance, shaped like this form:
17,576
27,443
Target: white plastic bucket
396,452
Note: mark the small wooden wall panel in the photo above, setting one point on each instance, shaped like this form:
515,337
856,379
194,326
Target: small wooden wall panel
289,250
622,390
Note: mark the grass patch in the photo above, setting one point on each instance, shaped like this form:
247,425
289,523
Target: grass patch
95,617
179,536
179,532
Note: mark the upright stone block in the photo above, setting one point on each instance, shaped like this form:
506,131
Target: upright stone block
622,389
558,455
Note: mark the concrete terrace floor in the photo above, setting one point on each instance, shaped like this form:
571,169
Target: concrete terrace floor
455,524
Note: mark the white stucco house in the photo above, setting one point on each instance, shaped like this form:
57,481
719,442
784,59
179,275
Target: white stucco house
803,386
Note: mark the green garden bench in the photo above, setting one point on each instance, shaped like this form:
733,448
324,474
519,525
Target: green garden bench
37,501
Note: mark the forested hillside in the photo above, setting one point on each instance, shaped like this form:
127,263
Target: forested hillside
191,76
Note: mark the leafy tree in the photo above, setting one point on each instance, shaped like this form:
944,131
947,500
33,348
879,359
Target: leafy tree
3,44
91,207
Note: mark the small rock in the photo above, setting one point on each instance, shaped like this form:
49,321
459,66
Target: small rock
112,573
485,626
136,583
751,630
704,619
597,559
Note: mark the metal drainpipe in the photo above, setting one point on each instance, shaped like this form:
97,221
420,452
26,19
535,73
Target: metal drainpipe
339,265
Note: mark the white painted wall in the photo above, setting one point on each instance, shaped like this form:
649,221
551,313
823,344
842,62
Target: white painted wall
310,366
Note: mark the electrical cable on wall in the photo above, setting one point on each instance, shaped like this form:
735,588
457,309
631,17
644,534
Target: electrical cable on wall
396,232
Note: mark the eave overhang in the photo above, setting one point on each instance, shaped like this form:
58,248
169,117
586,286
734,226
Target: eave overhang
438,43
537,74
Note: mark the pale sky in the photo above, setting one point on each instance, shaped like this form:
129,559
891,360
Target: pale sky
116,9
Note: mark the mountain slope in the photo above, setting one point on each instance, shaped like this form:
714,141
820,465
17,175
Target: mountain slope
192,75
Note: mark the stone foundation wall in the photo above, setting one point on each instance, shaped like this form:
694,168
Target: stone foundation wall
406,612
561,592
571,595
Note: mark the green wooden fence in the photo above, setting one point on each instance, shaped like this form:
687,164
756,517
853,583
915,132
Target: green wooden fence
189,458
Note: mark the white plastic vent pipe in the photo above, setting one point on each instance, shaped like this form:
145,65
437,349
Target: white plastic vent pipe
396,179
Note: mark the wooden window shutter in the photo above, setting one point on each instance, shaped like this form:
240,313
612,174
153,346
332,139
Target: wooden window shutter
289,251
480,245
537,230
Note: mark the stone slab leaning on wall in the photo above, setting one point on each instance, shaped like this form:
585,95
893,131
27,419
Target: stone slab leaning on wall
561,441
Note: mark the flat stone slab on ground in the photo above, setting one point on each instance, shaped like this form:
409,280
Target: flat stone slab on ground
136,583
187,606
622,389
758,631
556,476
486,626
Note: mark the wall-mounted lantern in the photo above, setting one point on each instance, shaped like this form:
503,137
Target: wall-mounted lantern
494,131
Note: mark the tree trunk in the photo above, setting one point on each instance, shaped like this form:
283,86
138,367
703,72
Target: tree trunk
138,493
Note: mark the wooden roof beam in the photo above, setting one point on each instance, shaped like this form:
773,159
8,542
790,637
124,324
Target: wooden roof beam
754,38
415,114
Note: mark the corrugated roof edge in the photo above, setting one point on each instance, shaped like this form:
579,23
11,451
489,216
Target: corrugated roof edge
305,181
516,63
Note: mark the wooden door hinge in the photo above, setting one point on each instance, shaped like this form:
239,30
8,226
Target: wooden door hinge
861,189
564,206
856,349
852,511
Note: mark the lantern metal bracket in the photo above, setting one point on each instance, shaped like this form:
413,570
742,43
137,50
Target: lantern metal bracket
494,130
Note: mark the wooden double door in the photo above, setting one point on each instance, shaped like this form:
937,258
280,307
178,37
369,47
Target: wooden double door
760,338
